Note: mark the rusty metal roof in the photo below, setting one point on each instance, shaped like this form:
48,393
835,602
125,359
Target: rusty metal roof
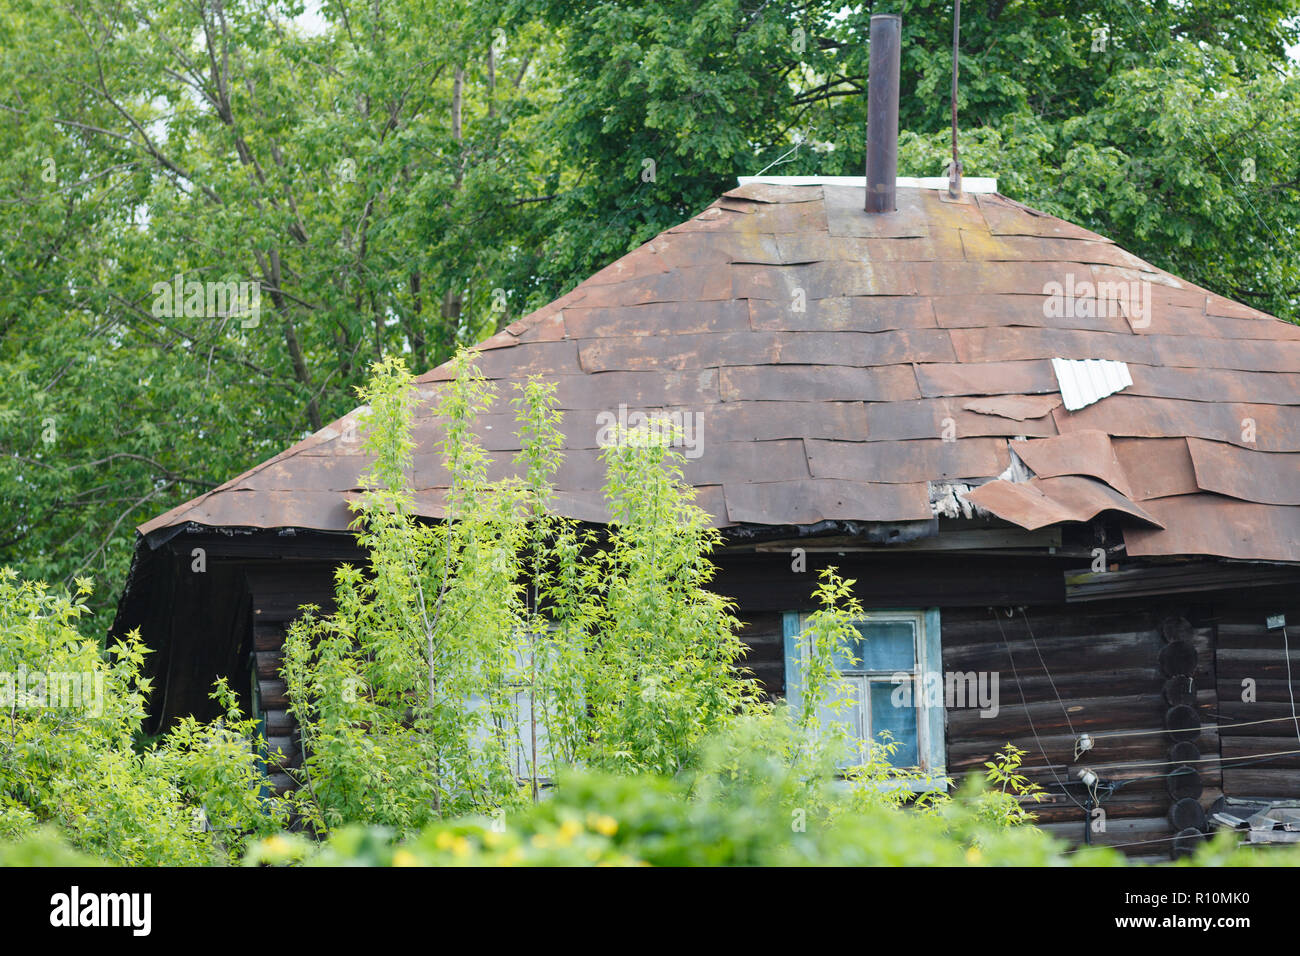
835,364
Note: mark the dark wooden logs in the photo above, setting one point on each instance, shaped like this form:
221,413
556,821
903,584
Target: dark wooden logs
1180,690
1186,842
1176,629
1178,659
1184,782
1182,722
1187,813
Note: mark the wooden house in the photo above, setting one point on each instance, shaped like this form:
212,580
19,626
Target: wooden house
1066,482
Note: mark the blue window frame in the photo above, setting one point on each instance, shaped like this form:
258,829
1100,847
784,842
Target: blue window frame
895,648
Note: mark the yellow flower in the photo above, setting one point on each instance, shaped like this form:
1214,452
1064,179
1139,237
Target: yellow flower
973,855
405,858
541,841
603,824
568,830
461,847
277,845
444,840
492,839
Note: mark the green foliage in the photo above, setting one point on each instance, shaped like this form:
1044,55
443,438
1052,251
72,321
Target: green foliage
66,754
406,176
42,846
412,696
598,819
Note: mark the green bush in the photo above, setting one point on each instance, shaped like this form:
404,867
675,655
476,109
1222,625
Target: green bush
67,758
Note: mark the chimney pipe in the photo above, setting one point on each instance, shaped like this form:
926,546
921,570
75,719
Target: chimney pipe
882,113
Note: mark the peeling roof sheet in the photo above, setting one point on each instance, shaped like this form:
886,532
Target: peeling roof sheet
1044,501
835,364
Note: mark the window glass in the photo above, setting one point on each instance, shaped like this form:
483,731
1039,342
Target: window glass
900,721
888,646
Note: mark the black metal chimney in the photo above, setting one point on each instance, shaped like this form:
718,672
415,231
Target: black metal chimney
882,113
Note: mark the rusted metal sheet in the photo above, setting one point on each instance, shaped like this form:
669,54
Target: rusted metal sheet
1077,453
778,218
876,313
552,328
957,311
1271,478
993,247
814,247
1216,385
1156,467
908,461
813,500
624,353
1006,217
1179,319
713,219
1223,527
307,473
986,278
1265,427
1043,501
236,508
832,364
687,284
1010,345
1219,306
769,193
1017,407
659,318
1185,351
608,390
798,383
534,358
727,462
755,421
986,378
680,250
937,417
864,349
846,216
637,264
796,284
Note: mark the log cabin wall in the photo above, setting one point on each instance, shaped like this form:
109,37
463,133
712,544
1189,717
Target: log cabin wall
1139,681
1260,735
277,592
1139,675
1143,676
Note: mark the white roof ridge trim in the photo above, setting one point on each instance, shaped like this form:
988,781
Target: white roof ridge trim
970,184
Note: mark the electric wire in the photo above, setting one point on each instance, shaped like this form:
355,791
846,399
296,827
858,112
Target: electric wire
1290,688
1016,675
1050,680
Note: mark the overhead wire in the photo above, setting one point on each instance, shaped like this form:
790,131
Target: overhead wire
1019,687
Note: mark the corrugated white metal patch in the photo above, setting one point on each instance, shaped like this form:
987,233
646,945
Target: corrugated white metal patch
1084,381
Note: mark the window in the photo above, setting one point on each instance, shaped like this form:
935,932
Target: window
898,661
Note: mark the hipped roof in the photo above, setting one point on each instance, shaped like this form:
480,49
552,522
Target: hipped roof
854,367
